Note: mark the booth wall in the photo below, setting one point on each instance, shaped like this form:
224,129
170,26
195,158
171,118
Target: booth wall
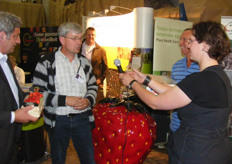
56,12
32,15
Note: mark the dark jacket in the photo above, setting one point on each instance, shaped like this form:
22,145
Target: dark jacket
9,133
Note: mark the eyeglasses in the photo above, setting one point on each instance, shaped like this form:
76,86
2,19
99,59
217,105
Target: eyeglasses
191,41
184,39
74,38
90,35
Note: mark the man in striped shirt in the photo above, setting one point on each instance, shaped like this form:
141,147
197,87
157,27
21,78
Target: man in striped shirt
69,88
180,70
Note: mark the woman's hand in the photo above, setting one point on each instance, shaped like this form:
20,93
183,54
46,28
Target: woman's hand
126,78
140,77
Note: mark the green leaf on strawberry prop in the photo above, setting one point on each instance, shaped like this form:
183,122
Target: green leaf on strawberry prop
122,136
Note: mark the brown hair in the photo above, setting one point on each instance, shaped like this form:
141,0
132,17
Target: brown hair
214,35
90,28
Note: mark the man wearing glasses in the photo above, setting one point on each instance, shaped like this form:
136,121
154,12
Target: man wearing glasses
69,88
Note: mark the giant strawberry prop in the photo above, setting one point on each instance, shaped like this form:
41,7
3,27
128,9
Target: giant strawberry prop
122,134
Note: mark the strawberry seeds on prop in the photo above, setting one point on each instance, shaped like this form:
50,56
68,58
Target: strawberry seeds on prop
125,133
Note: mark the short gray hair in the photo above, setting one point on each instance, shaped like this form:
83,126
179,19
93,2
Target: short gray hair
8,22
65,28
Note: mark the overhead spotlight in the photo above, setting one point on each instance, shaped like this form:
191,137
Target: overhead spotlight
94,13
106,11
112,7
101,13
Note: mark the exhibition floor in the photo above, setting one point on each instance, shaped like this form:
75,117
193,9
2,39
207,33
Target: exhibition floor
156,156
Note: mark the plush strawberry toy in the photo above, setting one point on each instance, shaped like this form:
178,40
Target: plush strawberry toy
123,135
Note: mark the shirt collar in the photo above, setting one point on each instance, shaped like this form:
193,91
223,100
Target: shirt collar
3,58
63,57
92,46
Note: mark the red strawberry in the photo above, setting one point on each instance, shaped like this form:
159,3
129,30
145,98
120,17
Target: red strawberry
34,97
122,136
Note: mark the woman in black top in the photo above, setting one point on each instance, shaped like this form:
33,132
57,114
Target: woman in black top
204,100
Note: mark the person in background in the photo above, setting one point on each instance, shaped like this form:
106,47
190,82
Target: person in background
69,88
203,100
180,70
97,56
11,96
27,67
227,66
24,63
19,73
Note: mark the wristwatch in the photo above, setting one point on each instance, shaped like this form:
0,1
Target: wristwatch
130,85
147,80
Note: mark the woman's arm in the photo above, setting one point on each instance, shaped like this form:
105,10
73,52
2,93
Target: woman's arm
169,99
154,85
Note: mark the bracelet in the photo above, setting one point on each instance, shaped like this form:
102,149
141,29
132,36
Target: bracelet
130,85
147,80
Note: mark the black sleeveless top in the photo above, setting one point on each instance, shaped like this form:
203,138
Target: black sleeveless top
203,135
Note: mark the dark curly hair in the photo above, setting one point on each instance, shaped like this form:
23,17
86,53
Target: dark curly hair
214,35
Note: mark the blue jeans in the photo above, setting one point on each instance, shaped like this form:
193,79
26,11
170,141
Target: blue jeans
77,128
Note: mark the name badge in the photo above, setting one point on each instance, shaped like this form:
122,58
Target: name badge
80,79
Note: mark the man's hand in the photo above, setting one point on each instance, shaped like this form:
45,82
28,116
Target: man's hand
77,103
22,116
72,100
84,103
